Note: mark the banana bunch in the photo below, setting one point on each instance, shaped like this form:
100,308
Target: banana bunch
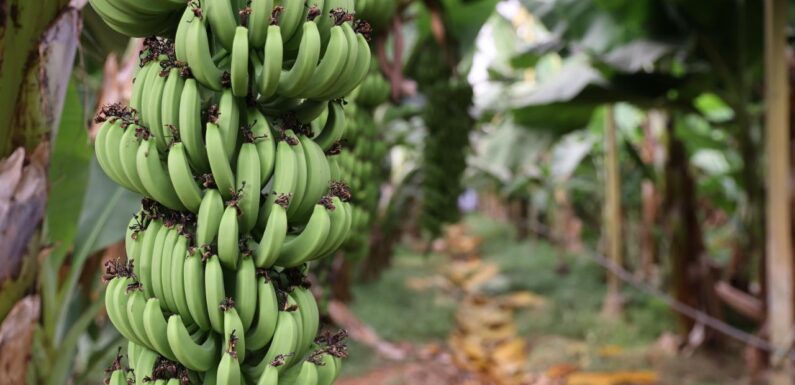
141,18
267,336
235,109
444,154
448,125
374,91
360,162
377,12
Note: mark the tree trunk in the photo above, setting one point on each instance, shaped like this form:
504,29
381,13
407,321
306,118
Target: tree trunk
382,248
691,274
649,197
38,41
613,302
522,218
779,242
341,280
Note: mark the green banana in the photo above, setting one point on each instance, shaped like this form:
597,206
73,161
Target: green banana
116,303
272,63
347,75
239,72
112,144
118,377
246,292
101,151
284,343
136,303
310,316
166,261
290,18
311,110
219,161
265,143
317,181
248,184
229,369
296,78
229,122
334,129
298,250
272,238
145,263
284,180
166,240
208,219
306,374
270,376
214,292
301,177
185,185
234,333
154,175
155,325
181,35
200,60
259,21
327,71
172,96
144,366
128,150
361,67
176,278
133,237
221,17
152,112
141,74
194,289
261,332
327,372
139,26
195,356
229,238
338,229
190,126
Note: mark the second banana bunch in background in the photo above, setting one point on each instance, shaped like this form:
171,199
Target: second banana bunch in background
235,110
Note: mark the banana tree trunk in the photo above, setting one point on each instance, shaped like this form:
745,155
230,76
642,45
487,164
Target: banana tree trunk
779,219
38,41
613,302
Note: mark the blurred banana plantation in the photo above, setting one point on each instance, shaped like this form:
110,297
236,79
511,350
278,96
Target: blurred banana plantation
581,192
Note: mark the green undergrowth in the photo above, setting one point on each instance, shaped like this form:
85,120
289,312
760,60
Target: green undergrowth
568,328
573,286
399,313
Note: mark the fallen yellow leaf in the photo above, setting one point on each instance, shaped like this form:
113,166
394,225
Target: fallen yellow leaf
523,299
610,350
486,273
613,378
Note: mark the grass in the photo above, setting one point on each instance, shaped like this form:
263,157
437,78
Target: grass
575,298
399,313
569,328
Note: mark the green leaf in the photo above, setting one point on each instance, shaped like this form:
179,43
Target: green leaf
637,55
101,354
714,108
83,250
66,350
532,55
95,204
68,178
